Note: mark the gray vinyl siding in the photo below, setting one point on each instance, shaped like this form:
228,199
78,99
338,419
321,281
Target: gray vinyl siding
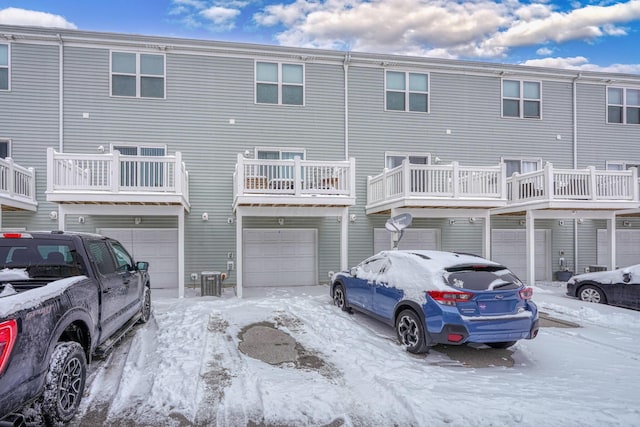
599,141
30,120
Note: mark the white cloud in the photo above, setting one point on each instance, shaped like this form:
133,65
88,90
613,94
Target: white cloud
17,16
582,63
217,15
543,51
220,16
478,28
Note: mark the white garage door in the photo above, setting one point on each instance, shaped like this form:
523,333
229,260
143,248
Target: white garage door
413,238
280,257
508,247
158,246
627,247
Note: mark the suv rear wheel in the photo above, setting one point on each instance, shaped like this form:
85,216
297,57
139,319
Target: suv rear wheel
411,332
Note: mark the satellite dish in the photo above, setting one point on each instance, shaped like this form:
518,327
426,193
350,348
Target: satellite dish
398,222
396,225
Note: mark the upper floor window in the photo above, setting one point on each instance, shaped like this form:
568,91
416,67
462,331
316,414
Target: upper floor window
395,159
139,75
279,83
521,99
521,165
4,148
407,91
623,105
4,67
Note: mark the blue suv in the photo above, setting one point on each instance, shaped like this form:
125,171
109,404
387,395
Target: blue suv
434,297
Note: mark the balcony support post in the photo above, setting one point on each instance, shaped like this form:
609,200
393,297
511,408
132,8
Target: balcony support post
549,189
11,176
177,172
406,178
531,248
344,239
51,168
352,177
455,176
115,172
297,176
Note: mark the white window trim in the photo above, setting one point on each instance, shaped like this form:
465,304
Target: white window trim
624,105
138,146
521,99
8,66
280,83
138,75
537,160
622,163
407,92
406,155
280,150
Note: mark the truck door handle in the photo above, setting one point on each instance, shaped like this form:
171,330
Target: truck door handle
107,291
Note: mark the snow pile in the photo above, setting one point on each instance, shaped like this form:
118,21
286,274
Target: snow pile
184,368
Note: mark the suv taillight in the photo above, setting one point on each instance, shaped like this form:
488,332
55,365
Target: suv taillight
8,334
450,297
526,293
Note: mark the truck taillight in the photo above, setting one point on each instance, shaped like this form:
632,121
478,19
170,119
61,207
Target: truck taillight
526,293
450,297
8,334
16,235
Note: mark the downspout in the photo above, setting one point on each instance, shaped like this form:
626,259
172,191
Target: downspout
575,166
60,96
345,65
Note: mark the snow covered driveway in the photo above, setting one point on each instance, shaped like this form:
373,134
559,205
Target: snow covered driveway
185,368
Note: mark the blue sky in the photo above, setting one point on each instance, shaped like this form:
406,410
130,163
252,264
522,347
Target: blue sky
591,35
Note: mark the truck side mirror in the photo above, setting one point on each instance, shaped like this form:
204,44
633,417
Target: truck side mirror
142,265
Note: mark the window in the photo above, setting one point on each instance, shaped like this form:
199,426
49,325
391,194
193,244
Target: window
620,165
395,159
521,99
623,105
279,154
407,91
123,259
4,148
138,75
142,172
522,165
101,257
279,83
4,67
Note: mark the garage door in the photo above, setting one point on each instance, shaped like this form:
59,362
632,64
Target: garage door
627,247
508,247
413,238
158,246
280,257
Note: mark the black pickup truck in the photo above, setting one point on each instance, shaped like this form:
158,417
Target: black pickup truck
64,298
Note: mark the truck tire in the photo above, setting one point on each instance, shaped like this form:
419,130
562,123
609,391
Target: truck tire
64,383
145,312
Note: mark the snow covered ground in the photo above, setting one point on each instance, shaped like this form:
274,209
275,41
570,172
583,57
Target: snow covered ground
184,368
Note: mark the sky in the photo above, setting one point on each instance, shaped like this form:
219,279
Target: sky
187,366
598,35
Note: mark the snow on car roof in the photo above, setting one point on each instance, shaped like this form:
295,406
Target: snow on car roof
428,273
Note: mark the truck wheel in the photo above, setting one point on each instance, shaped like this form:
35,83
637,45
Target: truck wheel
64,383
145,312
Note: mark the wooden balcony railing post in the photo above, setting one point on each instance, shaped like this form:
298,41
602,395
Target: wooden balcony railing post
11,176
515,187
548,187
635,186
297,175
593,182
503,181
455,176
51,168
241,182
32,183
352,177
116,170
385,173
177,170
406,178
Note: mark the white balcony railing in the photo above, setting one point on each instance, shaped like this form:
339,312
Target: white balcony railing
254,177
113,173
437,181
17,182
573,184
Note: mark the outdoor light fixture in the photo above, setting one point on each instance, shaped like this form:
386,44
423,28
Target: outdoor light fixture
53,215
137,220
280,221
205,216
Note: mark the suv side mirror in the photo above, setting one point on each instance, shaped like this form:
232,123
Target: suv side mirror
626,277
142,265
354,271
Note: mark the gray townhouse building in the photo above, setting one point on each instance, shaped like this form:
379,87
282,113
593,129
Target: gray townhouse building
282,164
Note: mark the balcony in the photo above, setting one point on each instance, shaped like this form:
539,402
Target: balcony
116,179
17,186
586,189
437,186
303,183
